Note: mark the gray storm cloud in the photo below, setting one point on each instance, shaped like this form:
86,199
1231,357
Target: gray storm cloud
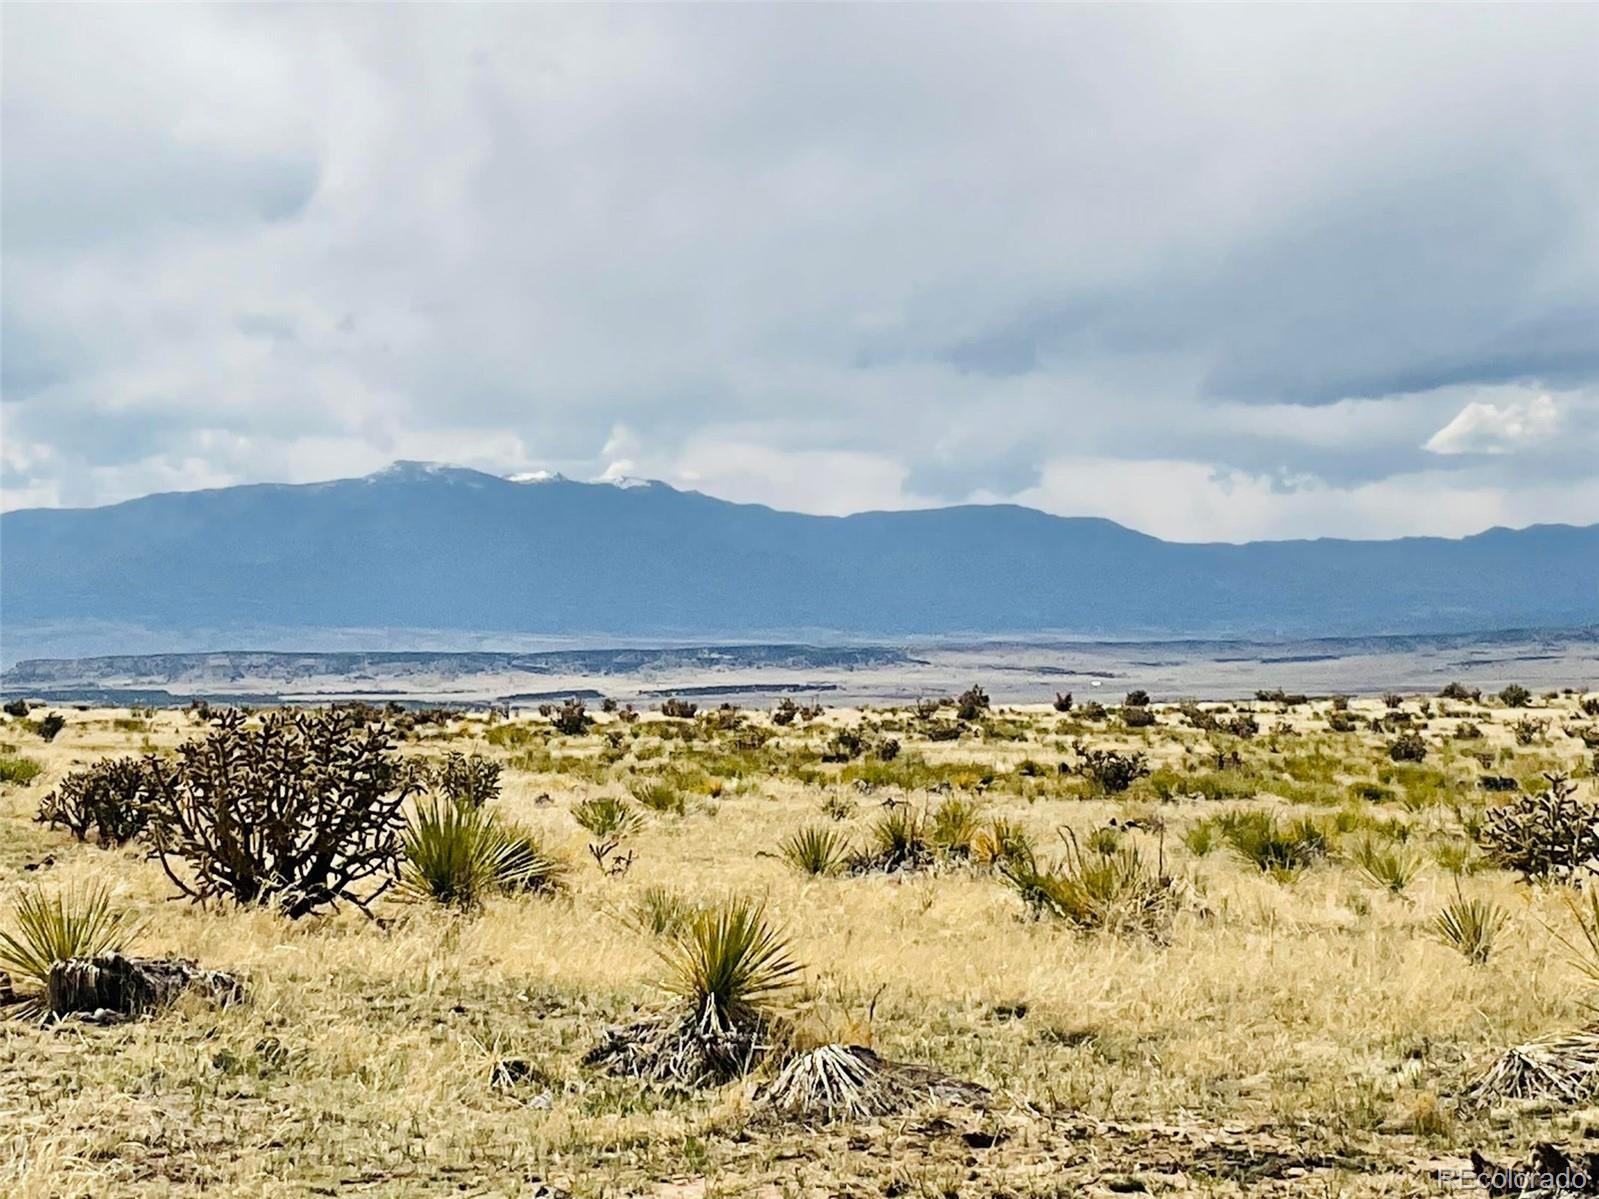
1213,272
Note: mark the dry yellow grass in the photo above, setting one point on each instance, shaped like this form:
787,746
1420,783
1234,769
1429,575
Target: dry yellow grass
1292,1037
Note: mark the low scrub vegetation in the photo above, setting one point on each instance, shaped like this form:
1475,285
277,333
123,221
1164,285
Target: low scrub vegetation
1036,938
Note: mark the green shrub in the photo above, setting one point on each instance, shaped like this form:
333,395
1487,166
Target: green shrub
1515,696
1386,865
1137,717
20,771
1109,771
1551,835
296,811
660,796
972,703
469,779
571,718
1407,747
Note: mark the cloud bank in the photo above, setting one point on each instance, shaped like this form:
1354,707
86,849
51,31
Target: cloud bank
1215,273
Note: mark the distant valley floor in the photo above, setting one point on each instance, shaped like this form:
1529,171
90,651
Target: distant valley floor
1013,671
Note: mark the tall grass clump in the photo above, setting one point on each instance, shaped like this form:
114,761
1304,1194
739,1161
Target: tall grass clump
954,827
897,841
658,795
20,771
662,911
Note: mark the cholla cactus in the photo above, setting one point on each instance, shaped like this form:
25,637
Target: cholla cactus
1551,835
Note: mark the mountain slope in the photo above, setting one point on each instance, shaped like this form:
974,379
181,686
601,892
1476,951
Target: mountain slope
442,548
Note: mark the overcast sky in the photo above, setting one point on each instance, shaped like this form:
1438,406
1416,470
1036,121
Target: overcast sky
1214,273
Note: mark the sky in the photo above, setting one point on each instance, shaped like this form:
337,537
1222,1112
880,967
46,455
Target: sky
1215,273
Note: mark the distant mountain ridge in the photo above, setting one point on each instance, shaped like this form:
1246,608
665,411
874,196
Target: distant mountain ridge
425,547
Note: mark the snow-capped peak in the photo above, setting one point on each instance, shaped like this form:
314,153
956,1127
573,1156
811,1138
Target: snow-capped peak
538,476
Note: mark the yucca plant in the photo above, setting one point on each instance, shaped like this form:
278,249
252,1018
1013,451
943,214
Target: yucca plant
729,960
1583,949
954,827
1281,850
1470,926
817,850
661,911
458,856
898,842
1119,892
725,967
73,924
658,795
606,816
1000,841
1387,865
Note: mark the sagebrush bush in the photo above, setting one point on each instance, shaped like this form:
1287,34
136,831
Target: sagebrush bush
1137,716
572,718
297,811
971,703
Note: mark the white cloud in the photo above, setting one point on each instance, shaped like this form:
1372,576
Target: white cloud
1485,428
817,256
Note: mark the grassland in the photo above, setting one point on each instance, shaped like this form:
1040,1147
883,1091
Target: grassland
1296,1030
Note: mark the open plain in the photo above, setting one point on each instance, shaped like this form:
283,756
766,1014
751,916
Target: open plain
1277,1012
